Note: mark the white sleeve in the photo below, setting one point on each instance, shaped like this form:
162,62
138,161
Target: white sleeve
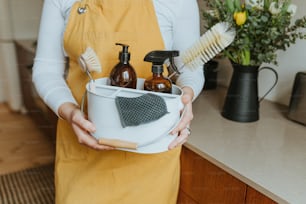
49,62
186,32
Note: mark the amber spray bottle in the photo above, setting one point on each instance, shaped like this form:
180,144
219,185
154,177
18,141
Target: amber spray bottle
158,82
123,74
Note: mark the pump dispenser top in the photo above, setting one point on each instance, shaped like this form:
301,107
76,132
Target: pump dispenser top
123,74
124,55
159,83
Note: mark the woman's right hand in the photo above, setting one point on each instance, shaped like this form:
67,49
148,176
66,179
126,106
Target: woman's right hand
81,126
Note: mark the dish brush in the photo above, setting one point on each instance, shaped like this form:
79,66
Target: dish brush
211,43
89,62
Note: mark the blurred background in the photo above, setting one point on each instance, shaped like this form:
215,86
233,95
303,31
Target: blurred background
19,20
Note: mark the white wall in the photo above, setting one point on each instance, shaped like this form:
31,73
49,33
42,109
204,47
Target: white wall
25,16
5,38
19,19
290,62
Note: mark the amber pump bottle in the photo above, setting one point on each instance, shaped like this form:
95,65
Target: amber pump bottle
123,74
158,82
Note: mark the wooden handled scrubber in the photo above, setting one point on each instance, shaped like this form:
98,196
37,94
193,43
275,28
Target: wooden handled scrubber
89,62
211,43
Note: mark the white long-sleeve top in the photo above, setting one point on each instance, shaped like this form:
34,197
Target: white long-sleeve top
179,25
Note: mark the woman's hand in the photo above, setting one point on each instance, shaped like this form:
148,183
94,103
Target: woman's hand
182,128
81,126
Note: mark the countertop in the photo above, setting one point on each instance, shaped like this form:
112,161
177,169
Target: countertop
268,155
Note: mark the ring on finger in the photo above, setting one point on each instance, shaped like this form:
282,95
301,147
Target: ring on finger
188,130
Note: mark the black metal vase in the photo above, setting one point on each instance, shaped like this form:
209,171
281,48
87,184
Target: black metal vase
211,74
241,102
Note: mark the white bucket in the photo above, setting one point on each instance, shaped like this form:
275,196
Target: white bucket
151,137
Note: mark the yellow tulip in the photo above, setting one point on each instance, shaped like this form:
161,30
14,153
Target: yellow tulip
240,17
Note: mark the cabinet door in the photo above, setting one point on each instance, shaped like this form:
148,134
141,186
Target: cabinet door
206,183
255,197
183,198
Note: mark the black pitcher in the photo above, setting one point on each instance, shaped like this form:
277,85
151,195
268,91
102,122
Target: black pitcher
241,102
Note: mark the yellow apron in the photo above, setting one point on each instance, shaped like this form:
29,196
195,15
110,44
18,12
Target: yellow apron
86,176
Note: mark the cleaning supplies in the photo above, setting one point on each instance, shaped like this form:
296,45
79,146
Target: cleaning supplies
89,62
211,43
134,111
123,74
159,83
152,135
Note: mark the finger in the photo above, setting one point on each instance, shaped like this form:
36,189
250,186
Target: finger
181,126
187,116
177,142
79,119
186,112
180,140
86,139
98,146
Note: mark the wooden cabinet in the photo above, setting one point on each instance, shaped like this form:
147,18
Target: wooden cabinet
203,183
254,197
183,198
41,114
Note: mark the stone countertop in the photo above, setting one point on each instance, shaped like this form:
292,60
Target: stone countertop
268,155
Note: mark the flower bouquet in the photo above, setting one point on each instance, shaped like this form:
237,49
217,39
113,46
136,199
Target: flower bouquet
262,28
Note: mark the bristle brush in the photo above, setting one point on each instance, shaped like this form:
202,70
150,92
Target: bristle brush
89,62
211,43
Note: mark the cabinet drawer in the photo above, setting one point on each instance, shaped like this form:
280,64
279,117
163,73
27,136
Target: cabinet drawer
206,183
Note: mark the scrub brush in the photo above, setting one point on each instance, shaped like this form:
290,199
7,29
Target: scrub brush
89,62
211,43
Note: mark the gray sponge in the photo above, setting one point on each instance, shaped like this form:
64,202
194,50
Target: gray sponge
140,110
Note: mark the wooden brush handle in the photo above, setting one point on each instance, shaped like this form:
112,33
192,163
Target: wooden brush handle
118,143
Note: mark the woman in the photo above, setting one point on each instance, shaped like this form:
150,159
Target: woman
87,172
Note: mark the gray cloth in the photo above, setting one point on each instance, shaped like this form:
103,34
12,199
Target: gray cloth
140,110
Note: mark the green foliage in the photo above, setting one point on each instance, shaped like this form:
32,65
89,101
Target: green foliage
266,29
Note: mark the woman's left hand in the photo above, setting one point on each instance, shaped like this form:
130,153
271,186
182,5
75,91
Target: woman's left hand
183,128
